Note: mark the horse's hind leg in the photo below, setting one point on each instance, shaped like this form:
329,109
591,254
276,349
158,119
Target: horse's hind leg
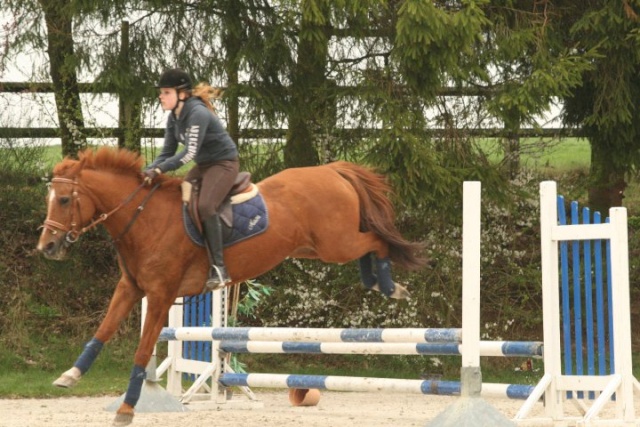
366,271
346,246
123,300
382,282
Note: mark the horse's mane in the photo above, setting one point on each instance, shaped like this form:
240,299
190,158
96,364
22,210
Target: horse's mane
105,158
120,161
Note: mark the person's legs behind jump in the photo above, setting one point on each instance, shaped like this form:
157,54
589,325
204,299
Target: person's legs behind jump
217,180
213,236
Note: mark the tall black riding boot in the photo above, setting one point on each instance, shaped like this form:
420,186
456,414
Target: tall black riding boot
213,235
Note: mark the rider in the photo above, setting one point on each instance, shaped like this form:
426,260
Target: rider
193,122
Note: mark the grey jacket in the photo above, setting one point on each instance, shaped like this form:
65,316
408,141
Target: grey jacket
201,132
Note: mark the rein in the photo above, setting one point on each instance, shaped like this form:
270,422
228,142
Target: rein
139,210
73,234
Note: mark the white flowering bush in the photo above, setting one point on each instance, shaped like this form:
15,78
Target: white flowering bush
314,294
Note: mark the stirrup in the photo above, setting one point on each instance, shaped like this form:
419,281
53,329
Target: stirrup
218,277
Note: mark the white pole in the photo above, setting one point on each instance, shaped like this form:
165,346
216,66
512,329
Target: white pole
551,298
621,313
174,349
471,274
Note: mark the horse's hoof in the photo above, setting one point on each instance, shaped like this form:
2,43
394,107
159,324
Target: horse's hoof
399,292
124,415
69,378
122,420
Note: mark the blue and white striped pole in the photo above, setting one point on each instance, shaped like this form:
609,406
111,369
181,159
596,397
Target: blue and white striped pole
487,348
406,335
360,384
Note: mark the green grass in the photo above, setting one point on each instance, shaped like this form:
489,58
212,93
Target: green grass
101,380
570,154
31,377
562,154
548,155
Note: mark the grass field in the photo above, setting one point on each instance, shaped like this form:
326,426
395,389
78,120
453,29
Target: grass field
571,154
551,155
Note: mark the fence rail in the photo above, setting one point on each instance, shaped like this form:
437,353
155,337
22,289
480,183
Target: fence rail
250,133
104,132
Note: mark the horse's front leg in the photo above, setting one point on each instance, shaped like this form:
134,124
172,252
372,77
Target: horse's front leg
124,299
157,309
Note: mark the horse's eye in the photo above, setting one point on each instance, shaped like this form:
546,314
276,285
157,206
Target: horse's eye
64,200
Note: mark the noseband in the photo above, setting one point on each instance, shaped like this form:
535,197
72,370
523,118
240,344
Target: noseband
72,231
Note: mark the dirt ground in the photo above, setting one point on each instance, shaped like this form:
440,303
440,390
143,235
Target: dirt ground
335,409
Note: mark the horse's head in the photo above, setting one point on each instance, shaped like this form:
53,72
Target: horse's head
84,193
69,209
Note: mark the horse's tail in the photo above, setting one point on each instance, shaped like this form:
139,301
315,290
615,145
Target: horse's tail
377,213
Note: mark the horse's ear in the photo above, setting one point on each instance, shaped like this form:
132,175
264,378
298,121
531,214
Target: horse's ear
78,166
82,158
69,167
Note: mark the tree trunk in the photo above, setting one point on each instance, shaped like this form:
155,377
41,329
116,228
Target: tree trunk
130,105
606,181
307,96
59,19
131,125
512,142
232,45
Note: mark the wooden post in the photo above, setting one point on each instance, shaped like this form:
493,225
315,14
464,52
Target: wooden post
128,108
124,56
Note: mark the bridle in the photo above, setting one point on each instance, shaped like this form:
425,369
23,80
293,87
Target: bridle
73,232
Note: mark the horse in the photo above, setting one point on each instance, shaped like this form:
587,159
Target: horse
338,212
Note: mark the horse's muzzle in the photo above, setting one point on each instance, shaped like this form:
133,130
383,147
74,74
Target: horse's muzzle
55,249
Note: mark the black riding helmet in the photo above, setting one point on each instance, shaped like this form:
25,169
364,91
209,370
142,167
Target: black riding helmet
177,79
174,78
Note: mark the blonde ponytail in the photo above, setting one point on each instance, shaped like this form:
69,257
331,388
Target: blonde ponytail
207,93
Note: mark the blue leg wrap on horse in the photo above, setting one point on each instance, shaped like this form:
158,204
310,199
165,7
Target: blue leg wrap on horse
385,282
366,271
88,355
138,374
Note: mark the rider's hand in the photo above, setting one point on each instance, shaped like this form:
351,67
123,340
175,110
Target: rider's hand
150,174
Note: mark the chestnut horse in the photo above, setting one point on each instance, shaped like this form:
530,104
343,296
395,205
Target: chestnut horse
337,213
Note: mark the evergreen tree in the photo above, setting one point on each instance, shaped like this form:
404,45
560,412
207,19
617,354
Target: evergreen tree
605,106
399,84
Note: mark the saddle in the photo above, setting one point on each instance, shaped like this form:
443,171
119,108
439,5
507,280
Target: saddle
242,189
